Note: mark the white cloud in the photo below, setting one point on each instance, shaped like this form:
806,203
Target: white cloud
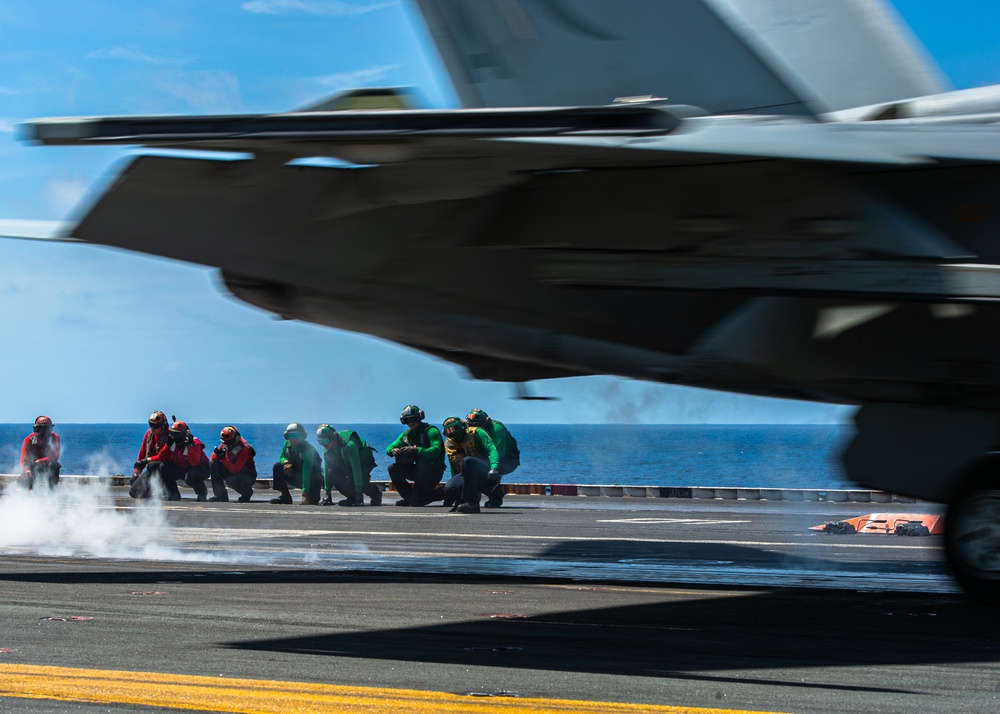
333,8
64,194
132,54
357,78
210,92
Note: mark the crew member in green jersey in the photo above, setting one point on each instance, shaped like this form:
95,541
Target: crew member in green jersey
510,455
347,466
419,457
298,466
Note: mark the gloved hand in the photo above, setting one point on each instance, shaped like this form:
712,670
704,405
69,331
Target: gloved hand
171,440
288,468
188,440
219,451
404,454
139,466
394,453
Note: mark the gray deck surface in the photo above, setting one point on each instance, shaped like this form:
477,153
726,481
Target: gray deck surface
726,604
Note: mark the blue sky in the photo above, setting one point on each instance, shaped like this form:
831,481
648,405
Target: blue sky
96,335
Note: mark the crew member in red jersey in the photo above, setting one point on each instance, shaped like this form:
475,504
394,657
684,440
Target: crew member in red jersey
152,441
40,455
233,465
182,457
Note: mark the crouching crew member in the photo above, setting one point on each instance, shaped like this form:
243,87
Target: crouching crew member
348,464
510,455
40,455
299,466
419,457
182,457
152,441
233,465
474,465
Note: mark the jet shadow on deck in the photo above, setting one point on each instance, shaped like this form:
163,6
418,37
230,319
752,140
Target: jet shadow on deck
706,633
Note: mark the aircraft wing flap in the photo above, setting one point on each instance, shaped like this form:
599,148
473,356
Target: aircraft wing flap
796,140
895,280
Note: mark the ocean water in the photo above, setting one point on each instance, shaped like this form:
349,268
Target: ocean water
764,456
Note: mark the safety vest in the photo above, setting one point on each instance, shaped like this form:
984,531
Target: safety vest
418,436
151,445
460,450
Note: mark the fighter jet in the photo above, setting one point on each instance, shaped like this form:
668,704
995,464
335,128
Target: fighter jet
774,197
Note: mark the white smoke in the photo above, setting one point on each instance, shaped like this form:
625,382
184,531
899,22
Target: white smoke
83,520
79,519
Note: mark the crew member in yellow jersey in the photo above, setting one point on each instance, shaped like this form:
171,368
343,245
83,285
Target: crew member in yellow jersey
474,463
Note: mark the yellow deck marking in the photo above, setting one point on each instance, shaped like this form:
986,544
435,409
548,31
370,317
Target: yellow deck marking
253,696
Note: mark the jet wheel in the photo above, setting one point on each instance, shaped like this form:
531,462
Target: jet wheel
972,542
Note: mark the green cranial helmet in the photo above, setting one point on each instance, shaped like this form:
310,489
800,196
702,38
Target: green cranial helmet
295,430
454,428
325,433
477,417
411,412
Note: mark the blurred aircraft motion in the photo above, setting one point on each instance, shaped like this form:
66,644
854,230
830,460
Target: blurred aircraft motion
774,197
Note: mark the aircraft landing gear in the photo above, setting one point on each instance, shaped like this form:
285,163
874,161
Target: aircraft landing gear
972,539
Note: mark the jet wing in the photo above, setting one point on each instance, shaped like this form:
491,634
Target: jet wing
571,137
340,126
424,159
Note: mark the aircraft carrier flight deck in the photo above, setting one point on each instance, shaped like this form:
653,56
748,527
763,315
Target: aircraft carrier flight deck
604,603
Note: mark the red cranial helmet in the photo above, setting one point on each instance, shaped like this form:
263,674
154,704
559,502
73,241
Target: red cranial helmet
157,420
43,425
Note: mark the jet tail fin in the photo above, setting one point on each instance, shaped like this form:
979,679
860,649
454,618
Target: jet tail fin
803,57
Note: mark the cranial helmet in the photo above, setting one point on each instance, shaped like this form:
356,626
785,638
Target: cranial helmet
229,435
295,428
453,427
325,433
477,417
179,429
157,418
411,412
43,425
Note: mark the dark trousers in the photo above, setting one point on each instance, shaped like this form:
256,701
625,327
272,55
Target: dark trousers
507,464
164,475
242,482
424,474
47,472
469,485
280,481
343,480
